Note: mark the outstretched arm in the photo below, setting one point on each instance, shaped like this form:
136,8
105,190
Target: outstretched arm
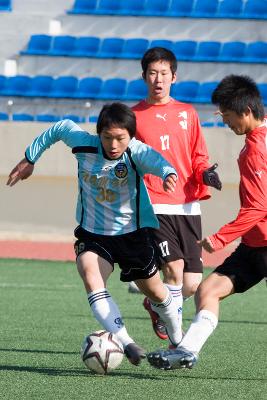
22,170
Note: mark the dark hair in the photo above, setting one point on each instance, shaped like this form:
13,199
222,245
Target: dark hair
237,93
116,115
158,54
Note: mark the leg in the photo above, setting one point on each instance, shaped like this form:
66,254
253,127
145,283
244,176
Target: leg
173,278
191,281
95,271
162,303
210,292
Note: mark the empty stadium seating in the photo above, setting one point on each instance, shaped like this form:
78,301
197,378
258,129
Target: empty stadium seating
205,8
230,8
109,89
185,91
5,5
89,87
134,48
113,89
174,8
136,90
232,52
22,117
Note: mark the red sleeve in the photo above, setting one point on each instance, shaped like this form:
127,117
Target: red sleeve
253,189
200,158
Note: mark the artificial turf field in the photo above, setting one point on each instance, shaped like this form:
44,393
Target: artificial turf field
45,316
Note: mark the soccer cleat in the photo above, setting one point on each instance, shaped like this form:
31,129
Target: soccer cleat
172,359
158,325
134,353
133,288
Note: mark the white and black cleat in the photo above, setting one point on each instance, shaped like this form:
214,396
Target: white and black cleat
172,359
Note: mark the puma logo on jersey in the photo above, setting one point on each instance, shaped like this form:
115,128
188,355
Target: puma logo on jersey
161,116
258,173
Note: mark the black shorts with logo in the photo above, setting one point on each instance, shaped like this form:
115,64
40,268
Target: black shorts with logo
246,267
134,251
177,239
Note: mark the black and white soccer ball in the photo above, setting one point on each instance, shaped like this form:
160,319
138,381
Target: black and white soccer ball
101,352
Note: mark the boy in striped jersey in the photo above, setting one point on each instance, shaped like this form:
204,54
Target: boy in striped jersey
114,214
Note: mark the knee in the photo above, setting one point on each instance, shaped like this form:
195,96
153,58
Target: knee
173,272
205,294
191,283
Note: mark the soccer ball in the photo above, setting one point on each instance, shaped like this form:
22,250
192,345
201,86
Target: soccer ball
101,352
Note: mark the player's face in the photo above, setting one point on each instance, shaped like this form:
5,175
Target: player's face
159,79
239,124
115,141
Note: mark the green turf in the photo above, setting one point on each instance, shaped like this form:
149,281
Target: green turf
45,315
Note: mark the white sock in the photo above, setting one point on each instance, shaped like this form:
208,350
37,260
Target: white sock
107,313
199,331
168,313
177,296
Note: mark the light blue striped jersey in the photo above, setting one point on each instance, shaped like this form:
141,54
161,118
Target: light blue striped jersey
112,199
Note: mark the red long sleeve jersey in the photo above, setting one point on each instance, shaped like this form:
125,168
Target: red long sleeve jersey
173,129
251,221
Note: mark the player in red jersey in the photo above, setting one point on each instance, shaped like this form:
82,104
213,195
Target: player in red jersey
241,108
173,129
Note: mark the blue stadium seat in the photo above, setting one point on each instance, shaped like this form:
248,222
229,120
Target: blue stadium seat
263,91
155,7
255,9
185,91
230,9
256,52
89,88
5,5
41,86
205,8
93,119
208,51
132,7
232,52
136,90
83,7
107,7
111,47
4,116
65,86
113,89
205,91
74,118
207,124
221,124
134,48
22,117
47,118
180,8
168,44
63,45
3,81
87,46
38,44
18,85
185,49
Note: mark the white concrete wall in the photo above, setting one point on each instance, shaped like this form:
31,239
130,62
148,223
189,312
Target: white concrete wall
223,147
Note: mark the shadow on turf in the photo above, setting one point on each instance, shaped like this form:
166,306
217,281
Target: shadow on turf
38,351
160,375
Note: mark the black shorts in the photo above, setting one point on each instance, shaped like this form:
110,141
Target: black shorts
177,239
246,267
134,251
